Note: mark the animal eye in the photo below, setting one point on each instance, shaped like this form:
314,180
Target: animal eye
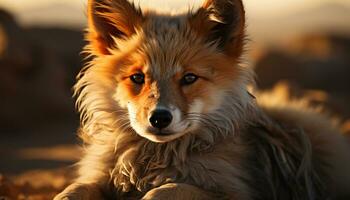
138,78
188,79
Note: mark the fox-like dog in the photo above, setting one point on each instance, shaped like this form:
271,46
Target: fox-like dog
165,114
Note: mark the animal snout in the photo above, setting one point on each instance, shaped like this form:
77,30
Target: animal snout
160,118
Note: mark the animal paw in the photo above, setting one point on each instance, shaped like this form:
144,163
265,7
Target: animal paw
174,191
80,192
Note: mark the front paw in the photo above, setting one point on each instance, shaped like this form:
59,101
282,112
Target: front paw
174,191
80,192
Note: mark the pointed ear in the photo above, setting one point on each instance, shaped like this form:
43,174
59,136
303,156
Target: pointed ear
109,19
222,22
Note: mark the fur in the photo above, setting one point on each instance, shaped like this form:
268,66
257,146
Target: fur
238,147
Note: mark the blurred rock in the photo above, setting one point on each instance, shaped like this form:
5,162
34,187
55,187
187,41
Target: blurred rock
318,65
37,70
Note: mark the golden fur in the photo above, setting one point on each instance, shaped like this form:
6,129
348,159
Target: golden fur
236,148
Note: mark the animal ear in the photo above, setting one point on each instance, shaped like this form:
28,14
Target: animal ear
110,19
221,22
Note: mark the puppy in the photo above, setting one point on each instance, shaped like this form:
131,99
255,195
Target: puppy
165,114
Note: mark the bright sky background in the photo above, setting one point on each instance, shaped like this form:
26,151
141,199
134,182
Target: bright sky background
252,5
264,16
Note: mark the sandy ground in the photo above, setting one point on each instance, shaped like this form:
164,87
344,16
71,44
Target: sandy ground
39,163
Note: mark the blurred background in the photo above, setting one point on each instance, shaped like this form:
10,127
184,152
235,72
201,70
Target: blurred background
299,48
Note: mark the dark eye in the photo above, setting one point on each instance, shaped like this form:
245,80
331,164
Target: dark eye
138,78
188,79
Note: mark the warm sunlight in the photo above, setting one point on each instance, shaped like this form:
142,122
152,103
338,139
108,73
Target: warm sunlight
235,100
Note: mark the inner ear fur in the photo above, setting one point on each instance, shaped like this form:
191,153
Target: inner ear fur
109,19
221,22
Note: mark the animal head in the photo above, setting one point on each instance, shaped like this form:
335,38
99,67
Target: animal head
161,73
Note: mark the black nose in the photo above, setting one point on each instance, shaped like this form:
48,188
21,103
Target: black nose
160,119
